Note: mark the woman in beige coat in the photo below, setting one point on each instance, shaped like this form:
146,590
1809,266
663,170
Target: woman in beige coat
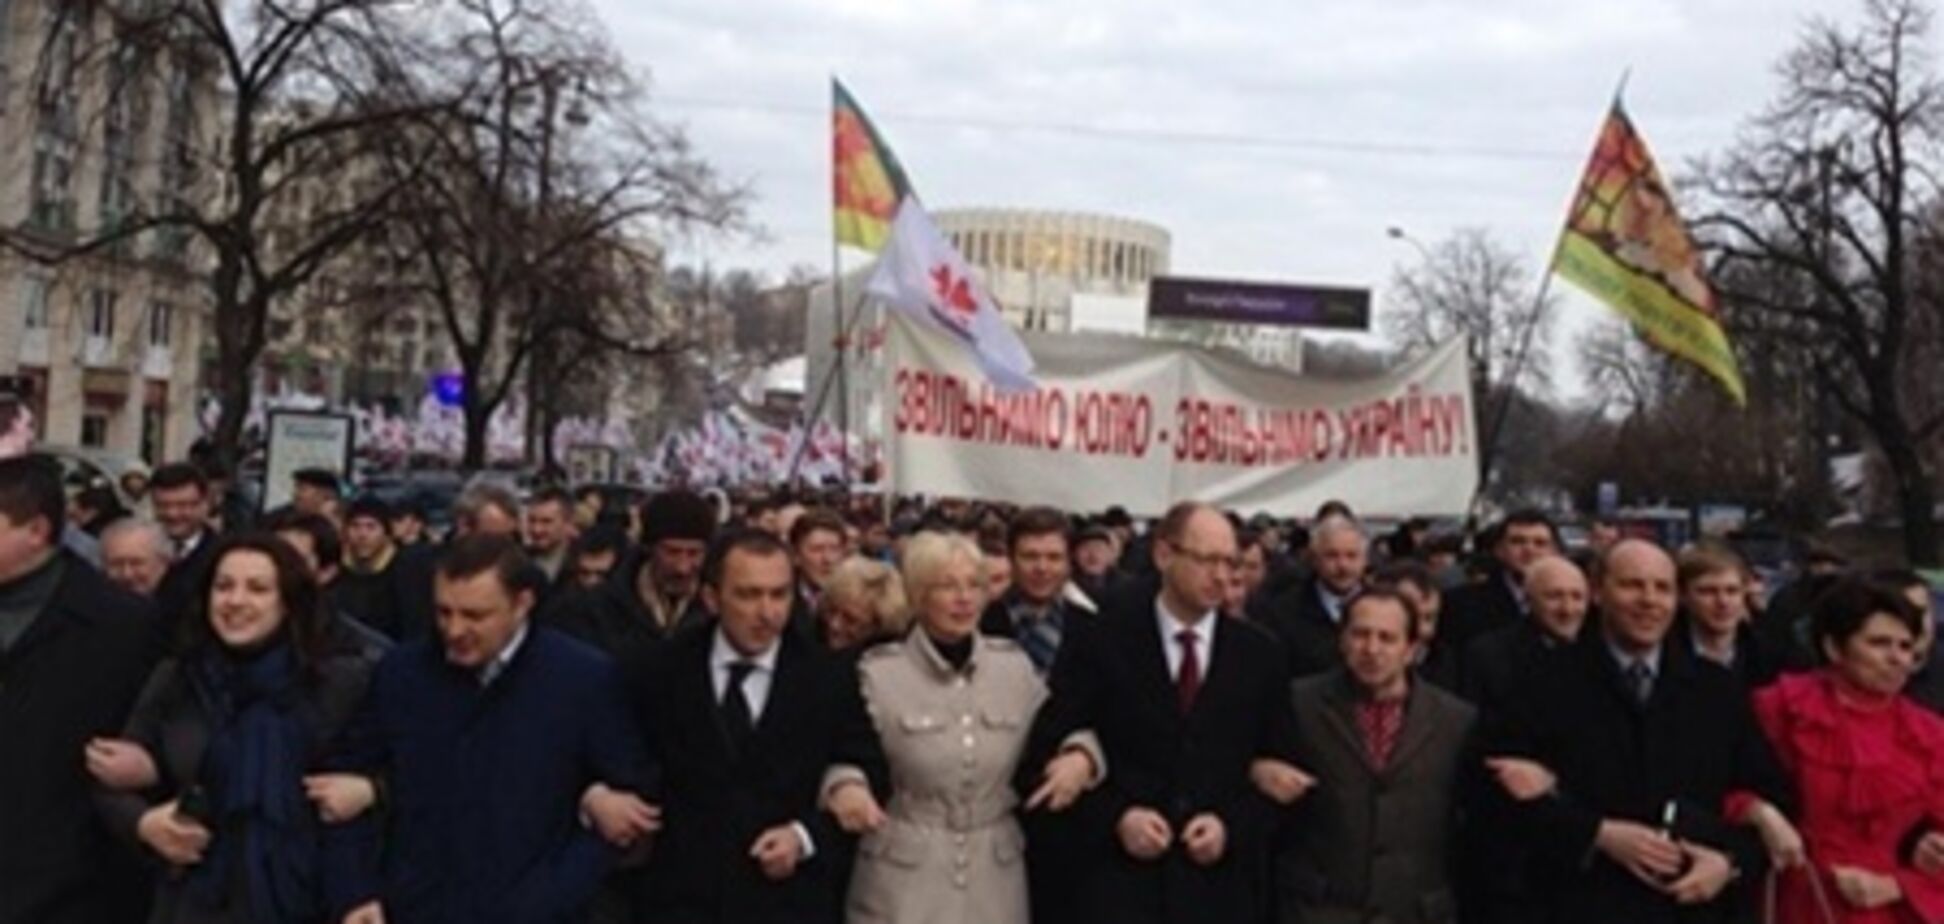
953,709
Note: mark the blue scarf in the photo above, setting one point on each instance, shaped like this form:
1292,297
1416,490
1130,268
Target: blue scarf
265,829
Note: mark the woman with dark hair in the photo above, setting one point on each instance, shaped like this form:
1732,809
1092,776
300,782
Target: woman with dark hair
209,776
1867,763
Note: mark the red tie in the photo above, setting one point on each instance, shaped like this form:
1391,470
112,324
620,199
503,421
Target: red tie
1188,678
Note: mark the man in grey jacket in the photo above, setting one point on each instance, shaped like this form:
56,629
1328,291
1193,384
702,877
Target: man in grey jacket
1374,840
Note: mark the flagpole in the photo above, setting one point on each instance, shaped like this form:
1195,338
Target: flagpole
1503,407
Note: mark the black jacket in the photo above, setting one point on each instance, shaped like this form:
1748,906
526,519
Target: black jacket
1693,742
1299,620
72,676
1112,676
173,723
1477,608
176,595
716,801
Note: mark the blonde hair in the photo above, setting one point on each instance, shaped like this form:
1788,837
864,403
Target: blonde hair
873,585
927,555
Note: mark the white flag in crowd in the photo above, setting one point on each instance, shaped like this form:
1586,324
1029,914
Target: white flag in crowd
921,274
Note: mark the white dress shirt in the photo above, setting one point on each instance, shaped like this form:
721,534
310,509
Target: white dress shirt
756,686
1168,626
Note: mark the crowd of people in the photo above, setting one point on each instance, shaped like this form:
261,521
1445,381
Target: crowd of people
748,707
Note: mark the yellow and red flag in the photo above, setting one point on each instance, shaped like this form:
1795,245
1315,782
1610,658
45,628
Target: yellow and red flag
868,180
1625,244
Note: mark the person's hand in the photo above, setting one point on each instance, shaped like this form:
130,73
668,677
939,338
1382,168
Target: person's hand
1144,834
1206,839
1708,873
1779,837
1281,782
368,913
179,841
1523,780
855,808
1865,890
777,851
621,818
340,797
121,765
1640,850
1066,777
1929,856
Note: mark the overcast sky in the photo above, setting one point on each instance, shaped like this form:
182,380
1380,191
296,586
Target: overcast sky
1274,140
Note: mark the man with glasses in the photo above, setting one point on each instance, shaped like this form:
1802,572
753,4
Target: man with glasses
1182,700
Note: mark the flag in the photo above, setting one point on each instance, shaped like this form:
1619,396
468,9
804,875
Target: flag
921,274
1625,244
867,178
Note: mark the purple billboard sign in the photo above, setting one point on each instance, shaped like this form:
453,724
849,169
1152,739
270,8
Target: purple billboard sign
1233,302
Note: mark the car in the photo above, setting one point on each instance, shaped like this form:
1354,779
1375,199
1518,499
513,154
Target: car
85,465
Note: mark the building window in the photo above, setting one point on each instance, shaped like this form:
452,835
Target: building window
155,422
178,159
34,303
161,320
55,125
94,429
101,313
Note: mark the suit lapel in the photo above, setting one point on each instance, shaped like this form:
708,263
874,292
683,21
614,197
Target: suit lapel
1419,725
1141,640
63,613
1339,713
698,693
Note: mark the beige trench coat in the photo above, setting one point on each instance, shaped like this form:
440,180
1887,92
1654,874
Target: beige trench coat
951,852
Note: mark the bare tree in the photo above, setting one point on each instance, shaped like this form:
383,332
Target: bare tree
300,88
1470,285
547,169
1830,195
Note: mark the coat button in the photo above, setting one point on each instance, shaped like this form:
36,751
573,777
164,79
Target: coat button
966,720
959,880
971,741
960,840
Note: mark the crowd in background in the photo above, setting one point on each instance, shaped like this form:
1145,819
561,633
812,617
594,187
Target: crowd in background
757,707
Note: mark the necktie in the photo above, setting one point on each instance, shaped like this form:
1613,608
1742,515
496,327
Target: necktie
1640,681
736,715
1040,636
1188,678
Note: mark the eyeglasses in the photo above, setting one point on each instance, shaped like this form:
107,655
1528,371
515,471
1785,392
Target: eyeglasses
1207,559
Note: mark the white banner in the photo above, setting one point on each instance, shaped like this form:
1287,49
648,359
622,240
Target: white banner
1144,423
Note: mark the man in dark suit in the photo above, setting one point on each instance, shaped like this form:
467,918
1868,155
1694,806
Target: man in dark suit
1493,663
1495,875
367,586
1388,753
74,651
1305,617
1182,701
817,545
745,716
1035,609
179,496
494,740
1523,537
1035,612
1644,741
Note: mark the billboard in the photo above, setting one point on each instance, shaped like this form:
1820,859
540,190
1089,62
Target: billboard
1283,305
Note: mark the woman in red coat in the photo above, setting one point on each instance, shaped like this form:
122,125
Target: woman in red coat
1867,762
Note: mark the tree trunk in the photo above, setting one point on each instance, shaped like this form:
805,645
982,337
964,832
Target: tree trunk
478,415
1915,501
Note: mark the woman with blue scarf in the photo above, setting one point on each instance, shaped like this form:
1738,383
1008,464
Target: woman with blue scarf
224,734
